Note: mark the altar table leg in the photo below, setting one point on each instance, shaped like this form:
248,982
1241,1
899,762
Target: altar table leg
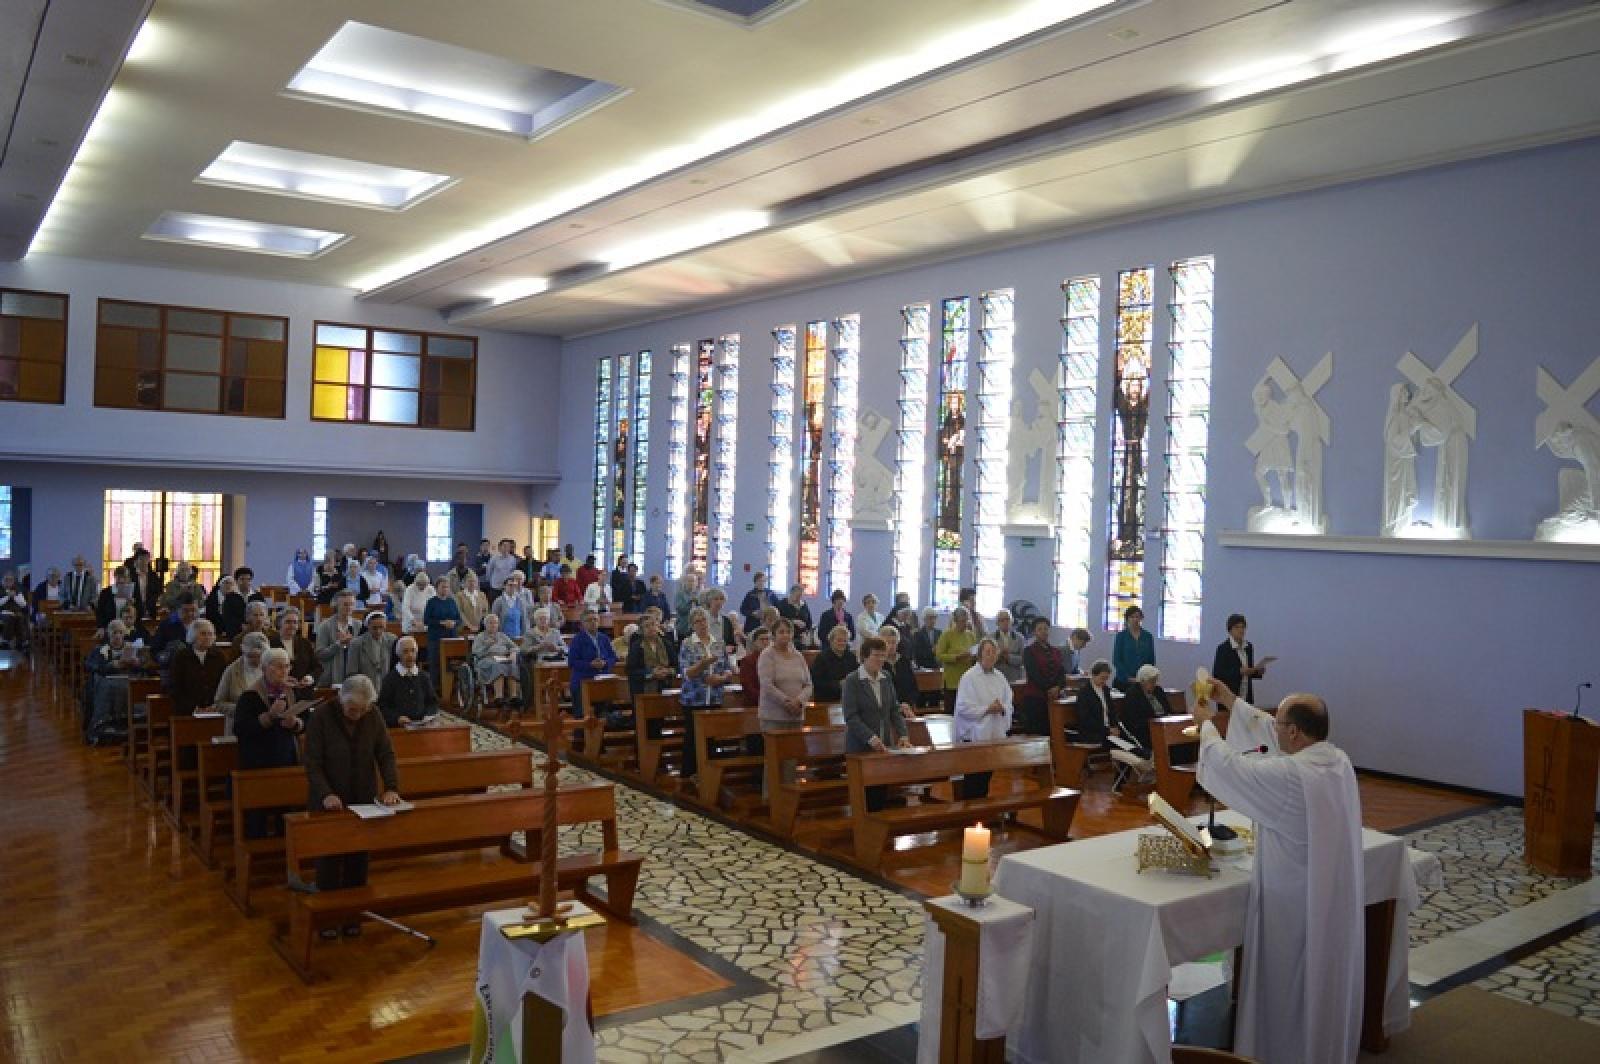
1380,931
958,1003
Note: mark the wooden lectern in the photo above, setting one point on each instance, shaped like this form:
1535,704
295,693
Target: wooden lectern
1560,769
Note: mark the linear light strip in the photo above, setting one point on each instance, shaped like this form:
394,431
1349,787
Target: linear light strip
1077,380
677,460
1183,531
641,455
780,458
911,447
995,358
727,457
841,472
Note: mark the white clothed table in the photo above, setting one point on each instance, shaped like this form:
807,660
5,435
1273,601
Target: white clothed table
1107,937
1005,950
557,970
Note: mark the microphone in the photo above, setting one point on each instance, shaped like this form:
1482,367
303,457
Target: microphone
1579,704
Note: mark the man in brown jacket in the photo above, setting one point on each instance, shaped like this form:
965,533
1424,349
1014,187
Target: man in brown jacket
347,749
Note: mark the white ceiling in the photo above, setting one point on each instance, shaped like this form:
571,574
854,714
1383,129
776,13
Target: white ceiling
1107,117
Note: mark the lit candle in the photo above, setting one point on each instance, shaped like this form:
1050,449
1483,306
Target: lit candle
975,860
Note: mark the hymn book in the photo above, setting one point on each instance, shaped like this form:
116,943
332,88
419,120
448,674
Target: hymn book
1196,841
377,810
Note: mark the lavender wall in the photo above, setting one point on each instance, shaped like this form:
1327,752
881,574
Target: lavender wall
1424,661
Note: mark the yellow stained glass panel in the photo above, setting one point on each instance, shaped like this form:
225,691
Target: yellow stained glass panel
328,401
333,365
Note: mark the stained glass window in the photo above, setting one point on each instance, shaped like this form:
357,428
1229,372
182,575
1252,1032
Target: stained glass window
995,357
391,377
911,445
677,460
700,463
727,459
440,531
619,461
602,456
952,452
641,455
842,462
1188,417
176,525
780,458
814,412
1076,382
319,528
1130,397
5,521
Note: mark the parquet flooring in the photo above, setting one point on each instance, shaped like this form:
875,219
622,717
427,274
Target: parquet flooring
119,945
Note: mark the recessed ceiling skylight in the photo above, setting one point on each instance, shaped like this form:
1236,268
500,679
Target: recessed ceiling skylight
237,234
374,69
261,168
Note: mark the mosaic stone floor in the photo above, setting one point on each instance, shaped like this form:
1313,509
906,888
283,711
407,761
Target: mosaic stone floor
834,948
1484,874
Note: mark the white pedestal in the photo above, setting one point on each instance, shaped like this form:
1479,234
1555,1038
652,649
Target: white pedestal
557,970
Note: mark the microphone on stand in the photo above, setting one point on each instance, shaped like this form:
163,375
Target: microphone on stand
1579,704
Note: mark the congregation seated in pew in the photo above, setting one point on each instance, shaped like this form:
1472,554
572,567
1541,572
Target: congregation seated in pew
407,695
194,671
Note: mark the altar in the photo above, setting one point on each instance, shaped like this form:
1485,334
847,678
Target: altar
1107,936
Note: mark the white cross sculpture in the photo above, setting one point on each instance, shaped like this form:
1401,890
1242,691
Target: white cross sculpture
1281,375
1569,404
1417,372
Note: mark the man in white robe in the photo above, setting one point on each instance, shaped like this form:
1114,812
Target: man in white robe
1300,992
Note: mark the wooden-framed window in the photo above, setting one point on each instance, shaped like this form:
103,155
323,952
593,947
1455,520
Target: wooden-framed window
394,377
33,346
149,356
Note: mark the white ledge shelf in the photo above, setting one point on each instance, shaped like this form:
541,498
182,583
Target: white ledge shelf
1516,549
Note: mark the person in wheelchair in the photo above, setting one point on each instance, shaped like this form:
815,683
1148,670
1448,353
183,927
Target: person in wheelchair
494,661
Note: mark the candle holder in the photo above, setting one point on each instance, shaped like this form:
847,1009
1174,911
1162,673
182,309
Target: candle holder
974,899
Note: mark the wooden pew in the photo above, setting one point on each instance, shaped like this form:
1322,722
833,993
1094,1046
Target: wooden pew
804,766
184,738
451,652
1069,757
719,739
451,823
1176,783
658,732
158,745
823,714
932,729
611,747
138,745
276,790
215,763
1031,756
431,740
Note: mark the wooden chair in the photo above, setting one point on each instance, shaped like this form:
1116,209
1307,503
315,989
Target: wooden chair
215,761
451,823
184,740
804,767
721,738
139,691
658,730
1030,756
158,740
610,746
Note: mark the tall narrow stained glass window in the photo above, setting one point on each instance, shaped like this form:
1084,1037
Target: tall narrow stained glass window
725,468
5,521
677,460
1183,530
842,461
319,528
620,443
1076,383
951,453
439,531
641,455
780,458
602,456
700,459
176,525
995,357
911,446
813,413
1130,399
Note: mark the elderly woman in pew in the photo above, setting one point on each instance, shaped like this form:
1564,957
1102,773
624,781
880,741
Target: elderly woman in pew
1142,703
471,602
874,718
241,675
303,667
706,668
650,668
832,664
494,657
195,670
407,695
266,720
106,694
442,618
347,749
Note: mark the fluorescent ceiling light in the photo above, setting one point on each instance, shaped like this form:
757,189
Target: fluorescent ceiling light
511,291
237,234
374,69
687,238
261,168
844,88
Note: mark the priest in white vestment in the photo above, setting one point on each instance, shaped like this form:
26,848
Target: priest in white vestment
1300,991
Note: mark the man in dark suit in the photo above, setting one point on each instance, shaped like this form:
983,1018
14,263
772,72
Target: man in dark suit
146,584
1235,661
80,587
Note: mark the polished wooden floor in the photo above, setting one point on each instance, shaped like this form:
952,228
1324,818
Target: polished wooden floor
117,944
